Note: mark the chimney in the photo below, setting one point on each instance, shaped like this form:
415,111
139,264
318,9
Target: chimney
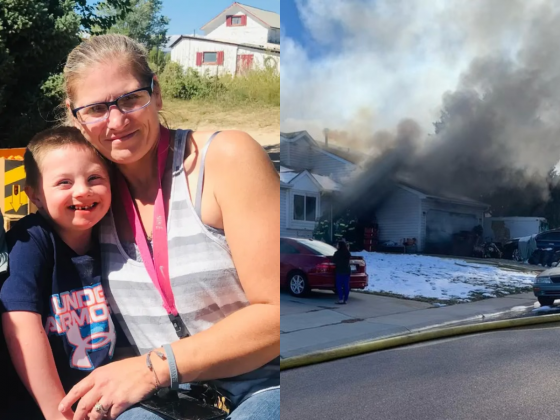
326,132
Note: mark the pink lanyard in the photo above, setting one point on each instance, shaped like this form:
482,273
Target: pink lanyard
158,266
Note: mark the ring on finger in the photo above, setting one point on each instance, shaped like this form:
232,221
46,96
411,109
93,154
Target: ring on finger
100,409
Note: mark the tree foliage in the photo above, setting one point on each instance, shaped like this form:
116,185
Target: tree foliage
144,23
35,39
97,18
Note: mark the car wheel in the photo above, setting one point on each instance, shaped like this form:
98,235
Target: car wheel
515,255
546,301
297,284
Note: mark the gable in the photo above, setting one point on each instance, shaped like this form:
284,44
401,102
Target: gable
265,18
305,182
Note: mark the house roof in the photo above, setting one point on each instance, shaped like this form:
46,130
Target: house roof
352,156
425,192
288,176
270,18
273,152
266,17
345,155
267,47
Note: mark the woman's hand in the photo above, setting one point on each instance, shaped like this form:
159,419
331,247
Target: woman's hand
116,387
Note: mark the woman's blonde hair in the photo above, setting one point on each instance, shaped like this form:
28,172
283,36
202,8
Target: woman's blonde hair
110,49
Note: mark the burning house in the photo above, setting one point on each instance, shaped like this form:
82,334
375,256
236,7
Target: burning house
318,179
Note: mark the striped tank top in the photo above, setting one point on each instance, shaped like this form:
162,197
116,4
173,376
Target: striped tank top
203,278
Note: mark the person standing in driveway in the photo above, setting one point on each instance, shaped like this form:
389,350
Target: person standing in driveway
341,259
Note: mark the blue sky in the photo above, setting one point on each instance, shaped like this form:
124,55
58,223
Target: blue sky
185,17
291,23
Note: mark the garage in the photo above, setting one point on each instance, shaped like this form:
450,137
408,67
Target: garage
429,218
441,225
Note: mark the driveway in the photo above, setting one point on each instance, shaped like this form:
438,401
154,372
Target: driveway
317,323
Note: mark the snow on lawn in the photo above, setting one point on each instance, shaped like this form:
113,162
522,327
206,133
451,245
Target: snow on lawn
440,278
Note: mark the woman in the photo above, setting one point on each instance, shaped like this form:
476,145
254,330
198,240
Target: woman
197,307
341,258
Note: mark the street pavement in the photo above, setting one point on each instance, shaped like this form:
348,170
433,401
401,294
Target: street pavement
498,375
317,323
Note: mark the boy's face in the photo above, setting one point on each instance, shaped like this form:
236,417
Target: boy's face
74,188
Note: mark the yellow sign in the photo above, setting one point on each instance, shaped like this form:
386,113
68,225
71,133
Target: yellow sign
15,198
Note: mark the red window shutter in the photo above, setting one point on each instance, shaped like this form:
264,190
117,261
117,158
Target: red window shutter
244,20
228,20
220,58
199,59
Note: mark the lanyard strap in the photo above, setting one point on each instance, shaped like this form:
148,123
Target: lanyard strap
158,266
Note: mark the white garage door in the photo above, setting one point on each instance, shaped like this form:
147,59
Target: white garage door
441,225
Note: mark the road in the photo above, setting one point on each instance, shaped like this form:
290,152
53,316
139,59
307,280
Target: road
509,374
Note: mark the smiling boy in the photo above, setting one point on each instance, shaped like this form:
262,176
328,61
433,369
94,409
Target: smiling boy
56,321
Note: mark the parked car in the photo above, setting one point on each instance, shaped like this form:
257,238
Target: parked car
306,264
546,286
549,240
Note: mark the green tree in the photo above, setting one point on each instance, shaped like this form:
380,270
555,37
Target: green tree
158,59
144,23
35,39
97,18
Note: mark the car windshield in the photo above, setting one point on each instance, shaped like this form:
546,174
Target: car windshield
318,248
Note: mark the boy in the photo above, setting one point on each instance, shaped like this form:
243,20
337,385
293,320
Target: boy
54,282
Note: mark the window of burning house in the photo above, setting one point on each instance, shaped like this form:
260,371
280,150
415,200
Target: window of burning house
305,208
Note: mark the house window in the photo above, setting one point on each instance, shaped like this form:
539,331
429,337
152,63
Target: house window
305,208
238,20
210,58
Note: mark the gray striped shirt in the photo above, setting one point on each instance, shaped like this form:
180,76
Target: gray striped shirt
203,277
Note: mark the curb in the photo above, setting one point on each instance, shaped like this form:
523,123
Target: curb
411,338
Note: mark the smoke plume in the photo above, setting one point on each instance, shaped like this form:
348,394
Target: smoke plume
462,98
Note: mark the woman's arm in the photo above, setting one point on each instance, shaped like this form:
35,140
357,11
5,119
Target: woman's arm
32,357
247,190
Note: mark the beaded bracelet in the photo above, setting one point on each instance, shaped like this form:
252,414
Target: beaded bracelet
151,367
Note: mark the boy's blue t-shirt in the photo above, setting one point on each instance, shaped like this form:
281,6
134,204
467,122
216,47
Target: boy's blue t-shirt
47,277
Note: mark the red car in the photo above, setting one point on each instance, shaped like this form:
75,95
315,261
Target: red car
305,264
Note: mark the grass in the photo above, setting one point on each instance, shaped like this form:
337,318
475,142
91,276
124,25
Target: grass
261,86
196,113
249,103
258,87
473,296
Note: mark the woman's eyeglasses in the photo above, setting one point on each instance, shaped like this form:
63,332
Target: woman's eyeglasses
127,103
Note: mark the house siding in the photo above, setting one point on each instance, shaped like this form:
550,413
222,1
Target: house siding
399,216
324,164
301,155
184,53
284,211
298,155
428,205
259,57
252,33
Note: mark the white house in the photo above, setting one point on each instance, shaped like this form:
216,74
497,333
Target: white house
240,38
310,176
315,176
